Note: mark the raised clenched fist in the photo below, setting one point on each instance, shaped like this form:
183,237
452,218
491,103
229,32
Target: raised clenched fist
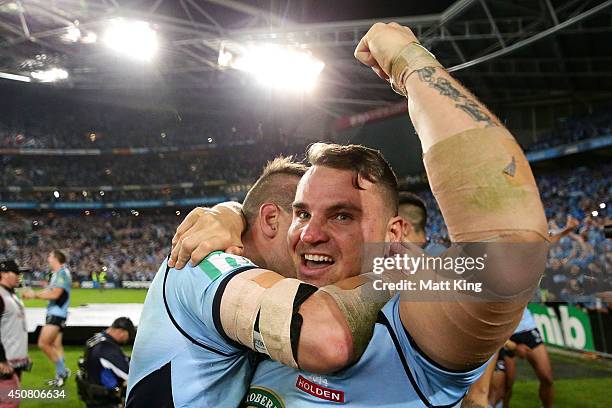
381,44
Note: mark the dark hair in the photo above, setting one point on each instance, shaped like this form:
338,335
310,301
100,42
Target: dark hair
413,209
367,163
124,323
59,255
277,184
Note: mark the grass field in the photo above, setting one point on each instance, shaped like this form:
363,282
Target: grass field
580,383
84,296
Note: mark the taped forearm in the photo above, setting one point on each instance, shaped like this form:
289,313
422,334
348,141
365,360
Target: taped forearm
484,186
262,310
487,194
360,305
491,206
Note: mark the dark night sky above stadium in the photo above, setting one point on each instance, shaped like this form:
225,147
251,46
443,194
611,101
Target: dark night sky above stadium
338,10
321,11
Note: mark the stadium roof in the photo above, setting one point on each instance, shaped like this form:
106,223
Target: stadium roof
508,52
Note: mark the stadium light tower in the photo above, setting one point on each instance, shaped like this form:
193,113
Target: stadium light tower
276,66
134,39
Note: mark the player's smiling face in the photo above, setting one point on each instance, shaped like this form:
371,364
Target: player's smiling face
332,220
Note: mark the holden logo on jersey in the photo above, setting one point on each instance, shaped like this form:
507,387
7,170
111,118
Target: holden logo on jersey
260,397
319,391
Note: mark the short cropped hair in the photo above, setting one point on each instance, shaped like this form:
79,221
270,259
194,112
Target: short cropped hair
413,209
59,255
277,184
365,162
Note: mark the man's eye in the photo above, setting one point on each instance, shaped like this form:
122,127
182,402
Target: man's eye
342,217
302,215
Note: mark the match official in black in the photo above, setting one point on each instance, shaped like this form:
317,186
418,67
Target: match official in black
103,371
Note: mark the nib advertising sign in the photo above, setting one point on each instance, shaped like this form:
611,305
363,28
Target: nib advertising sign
564,326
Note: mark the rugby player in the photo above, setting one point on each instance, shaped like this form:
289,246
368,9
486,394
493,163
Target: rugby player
529,345
425,353
58,295
191,346
526,342
412,208
414,211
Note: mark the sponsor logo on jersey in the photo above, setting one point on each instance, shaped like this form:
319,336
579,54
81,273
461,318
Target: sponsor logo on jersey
260,397
319,391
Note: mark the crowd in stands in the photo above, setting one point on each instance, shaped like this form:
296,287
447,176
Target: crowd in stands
79,178
81,127
126,246
77,126
571,130
126,170
132,247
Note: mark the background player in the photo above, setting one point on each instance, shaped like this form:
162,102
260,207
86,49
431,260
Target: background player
412,208
58,295
529,345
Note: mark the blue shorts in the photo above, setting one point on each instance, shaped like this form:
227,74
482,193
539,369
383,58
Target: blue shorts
56,321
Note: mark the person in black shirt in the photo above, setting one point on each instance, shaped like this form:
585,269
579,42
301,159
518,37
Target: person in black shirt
103,371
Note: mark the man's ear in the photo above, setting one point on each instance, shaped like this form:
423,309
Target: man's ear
407,231
268,219
395,229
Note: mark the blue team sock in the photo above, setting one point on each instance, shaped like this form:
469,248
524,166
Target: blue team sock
60,367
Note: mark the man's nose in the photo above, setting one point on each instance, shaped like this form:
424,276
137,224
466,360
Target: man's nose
314,233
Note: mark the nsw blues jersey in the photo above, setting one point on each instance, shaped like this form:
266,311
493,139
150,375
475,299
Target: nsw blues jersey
181,356
60,279
392,372
527,322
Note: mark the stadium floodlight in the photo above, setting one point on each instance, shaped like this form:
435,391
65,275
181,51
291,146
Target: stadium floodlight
50,75
134,39
89,38
280,67
72,34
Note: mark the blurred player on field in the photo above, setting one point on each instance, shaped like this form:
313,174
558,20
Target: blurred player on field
58,295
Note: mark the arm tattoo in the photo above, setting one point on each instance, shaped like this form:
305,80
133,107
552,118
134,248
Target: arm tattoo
463,102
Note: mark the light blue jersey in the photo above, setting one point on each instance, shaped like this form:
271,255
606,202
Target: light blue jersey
181,356
392,372
527,322
60,279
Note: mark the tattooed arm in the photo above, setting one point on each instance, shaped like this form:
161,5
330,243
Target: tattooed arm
486,192
440,106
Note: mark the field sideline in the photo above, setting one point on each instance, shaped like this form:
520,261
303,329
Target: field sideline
85,296
570,393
